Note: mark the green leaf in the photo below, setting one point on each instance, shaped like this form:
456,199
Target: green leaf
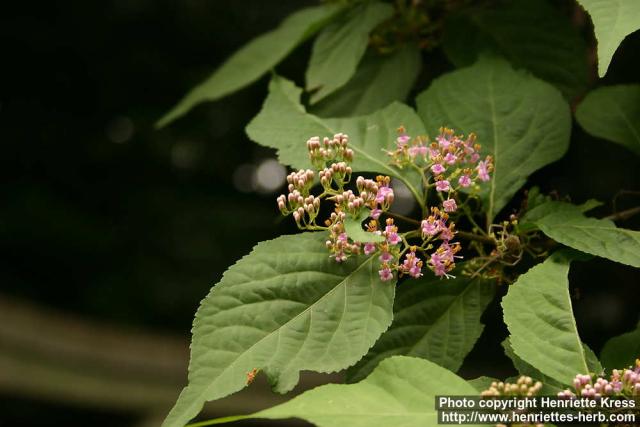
593,363
621,351
589,205
401,391
340,46
255,59
378,81
434,319
284,124
284,308
539,315
482,383
613,113
549,385
566,224
522,121
613,20
530,34
353,228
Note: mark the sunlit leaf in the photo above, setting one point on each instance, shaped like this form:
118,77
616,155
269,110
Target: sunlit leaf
283,308
284,124
539,315
566,224
522,121
613,20
400,392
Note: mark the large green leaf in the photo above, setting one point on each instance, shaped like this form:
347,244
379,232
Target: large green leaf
613,113
566,224
400,392
256,58
522,121
378,81
340,46
284,308
538,312
284,124
531,34
621,351
613,20
549,387
433,319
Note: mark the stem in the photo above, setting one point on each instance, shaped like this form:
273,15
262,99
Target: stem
473,222
223,420
626,214
402,217
478,238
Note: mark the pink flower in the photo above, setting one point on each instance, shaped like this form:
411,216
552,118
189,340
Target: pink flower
446,252
437,169
385,274
439,268
465,181
443,185
341,256
450,205
450,158
429,228
415,271
386,257
393,238
417,150
369,248
446,234
391,233
385,194
375,213
433,153
483,173
402,140
443,141
412,265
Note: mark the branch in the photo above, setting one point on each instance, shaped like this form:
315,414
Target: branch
626,214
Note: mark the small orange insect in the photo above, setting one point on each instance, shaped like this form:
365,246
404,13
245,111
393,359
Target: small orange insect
251,375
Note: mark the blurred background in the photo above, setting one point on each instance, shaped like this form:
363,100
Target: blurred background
111,232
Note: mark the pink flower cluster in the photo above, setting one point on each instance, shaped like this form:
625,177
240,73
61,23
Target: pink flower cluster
442,261
373,197
524,386
620,383
377,195
447,164
329,151
303,206
452,161
338,243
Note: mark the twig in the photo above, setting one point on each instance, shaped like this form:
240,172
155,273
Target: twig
626,214
402,217
472,236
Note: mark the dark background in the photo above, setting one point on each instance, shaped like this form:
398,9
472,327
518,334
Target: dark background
108,221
